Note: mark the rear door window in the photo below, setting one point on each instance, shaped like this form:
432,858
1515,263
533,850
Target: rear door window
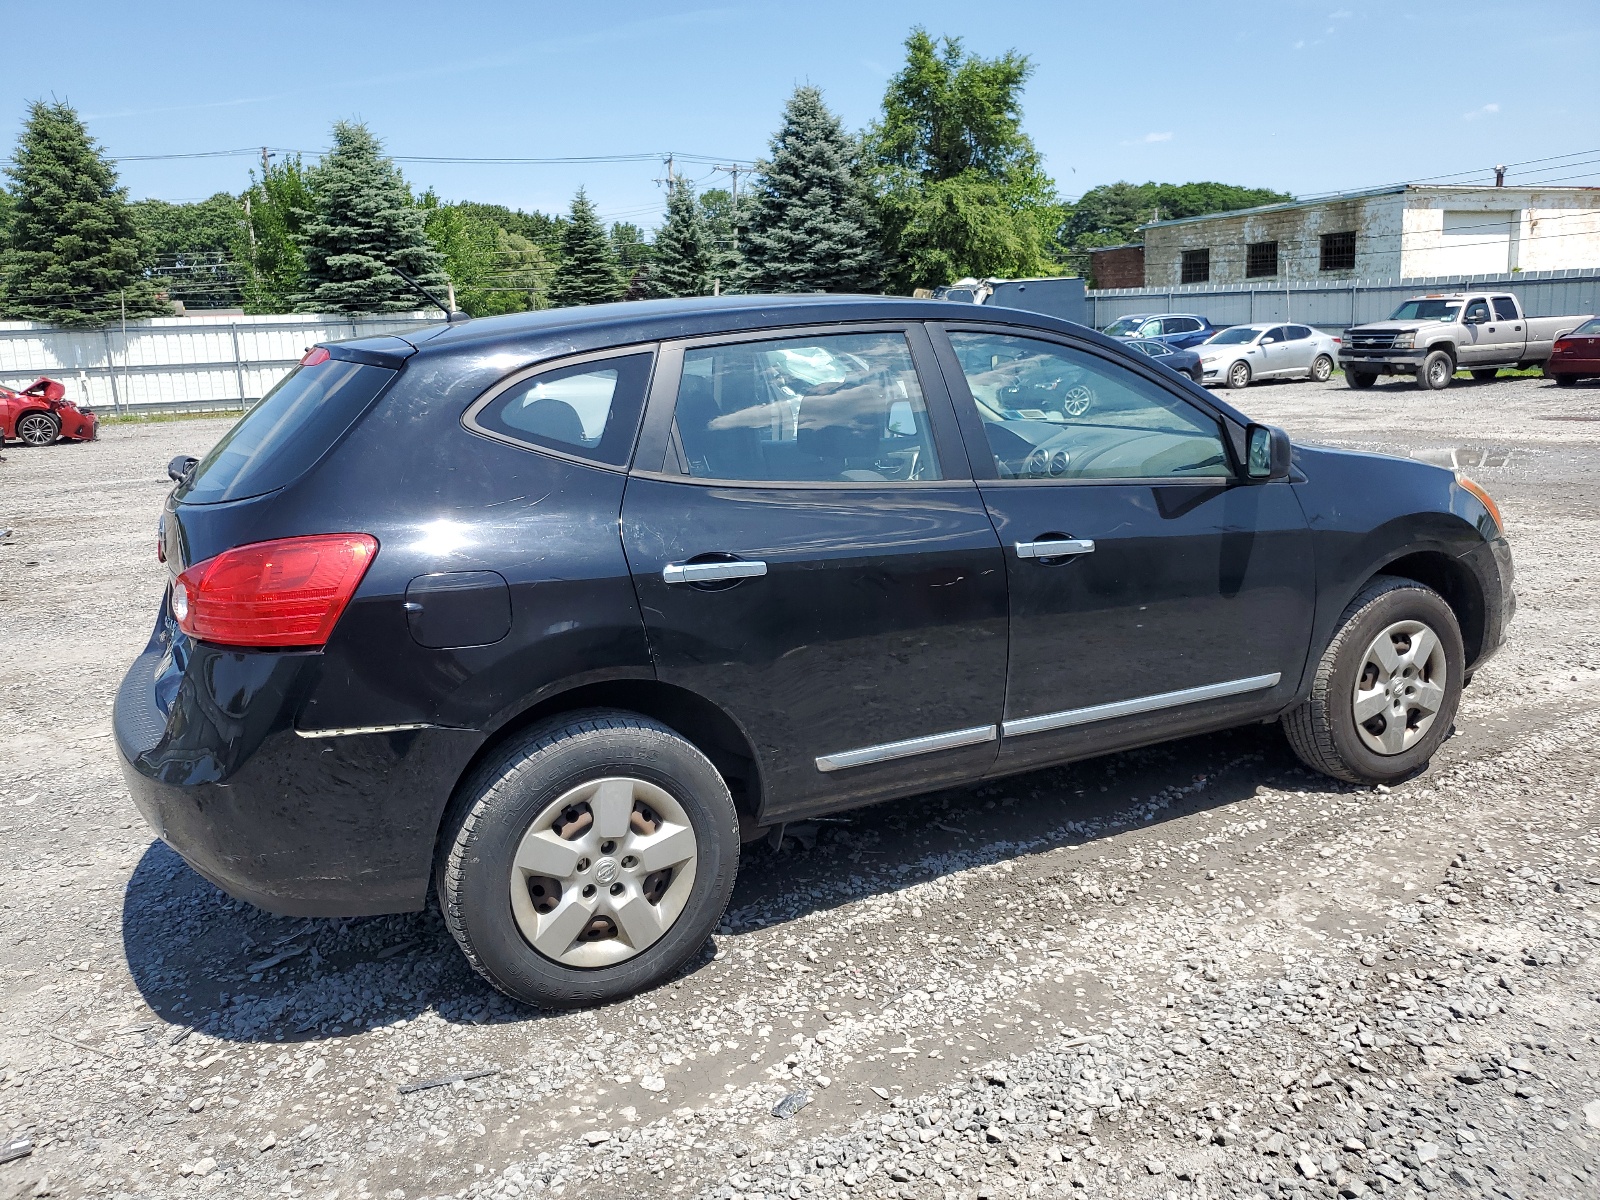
1505,308
282,436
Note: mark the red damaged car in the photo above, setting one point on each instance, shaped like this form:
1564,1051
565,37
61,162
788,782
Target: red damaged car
40,413
1576,355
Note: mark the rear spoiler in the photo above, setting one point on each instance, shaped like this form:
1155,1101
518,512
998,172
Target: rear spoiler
390,352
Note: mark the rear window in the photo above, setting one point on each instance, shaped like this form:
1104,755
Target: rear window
278,439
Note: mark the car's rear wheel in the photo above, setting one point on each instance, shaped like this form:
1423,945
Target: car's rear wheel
1360,379
1239,375
1322,369
38,428
588,860
1486,374
1565,380
1436,370
1386,688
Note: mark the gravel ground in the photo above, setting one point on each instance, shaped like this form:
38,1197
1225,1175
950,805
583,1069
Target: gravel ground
1191,971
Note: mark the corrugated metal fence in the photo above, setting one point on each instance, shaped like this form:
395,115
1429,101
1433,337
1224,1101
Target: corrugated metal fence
171,363
1335,306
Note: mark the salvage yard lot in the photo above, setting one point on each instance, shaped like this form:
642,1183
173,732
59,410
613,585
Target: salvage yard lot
1195,970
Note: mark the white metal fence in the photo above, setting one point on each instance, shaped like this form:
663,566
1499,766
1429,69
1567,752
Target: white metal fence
1338,305
170,363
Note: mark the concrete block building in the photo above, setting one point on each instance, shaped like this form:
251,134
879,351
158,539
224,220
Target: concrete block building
1406,231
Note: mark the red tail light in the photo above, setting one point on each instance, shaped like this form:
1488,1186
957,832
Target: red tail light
315,355
289,592
1561,344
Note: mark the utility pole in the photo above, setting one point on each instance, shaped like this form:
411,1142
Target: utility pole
734,172
672,176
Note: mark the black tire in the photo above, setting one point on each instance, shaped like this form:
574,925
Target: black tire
1238,375
1486,374
1321,369
1565,380
1322,729
38,428
493,810
1359,379
1198,375
1436,370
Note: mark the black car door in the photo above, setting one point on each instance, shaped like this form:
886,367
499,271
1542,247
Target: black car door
1152,590
812,556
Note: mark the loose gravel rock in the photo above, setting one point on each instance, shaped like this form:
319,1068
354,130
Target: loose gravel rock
1191,971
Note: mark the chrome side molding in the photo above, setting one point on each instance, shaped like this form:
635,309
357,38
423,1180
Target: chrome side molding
712,572
355,729
1140,704
906,749
1062,548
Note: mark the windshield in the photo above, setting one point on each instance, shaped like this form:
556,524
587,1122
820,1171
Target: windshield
1125,327
1239,335
1427,310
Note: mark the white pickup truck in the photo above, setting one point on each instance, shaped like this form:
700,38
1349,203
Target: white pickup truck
1434,336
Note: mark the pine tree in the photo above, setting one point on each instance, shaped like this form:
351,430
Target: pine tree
681,251
72,256
268,260
588,271
364,225
810,225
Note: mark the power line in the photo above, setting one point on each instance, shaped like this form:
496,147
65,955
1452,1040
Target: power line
575,159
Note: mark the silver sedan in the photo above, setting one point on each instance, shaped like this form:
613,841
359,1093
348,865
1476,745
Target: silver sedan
1242,354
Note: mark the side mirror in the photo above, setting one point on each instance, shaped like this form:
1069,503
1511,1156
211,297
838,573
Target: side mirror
178,469
1269,453
1475,319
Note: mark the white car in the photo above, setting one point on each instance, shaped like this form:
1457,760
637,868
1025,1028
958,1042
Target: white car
1243,353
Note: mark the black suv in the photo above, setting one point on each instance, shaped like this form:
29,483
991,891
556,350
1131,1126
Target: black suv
555,610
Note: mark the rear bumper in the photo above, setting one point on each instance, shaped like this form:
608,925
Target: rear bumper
324,826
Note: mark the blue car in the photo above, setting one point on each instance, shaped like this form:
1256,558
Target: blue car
1178,330
1184,362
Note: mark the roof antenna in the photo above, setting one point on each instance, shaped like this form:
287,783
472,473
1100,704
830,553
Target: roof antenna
450,314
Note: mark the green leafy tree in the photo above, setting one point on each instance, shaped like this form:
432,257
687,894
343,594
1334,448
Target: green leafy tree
189,248
269,263
809,226
634,256
363,226
960,187
1111,214
680,252
723,260
588,270
493,270
72,256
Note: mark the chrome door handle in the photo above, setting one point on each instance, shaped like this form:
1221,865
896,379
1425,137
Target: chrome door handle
1064,548
711,572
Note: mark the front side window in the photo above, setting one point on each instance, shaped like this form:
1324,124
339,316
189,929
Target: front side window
1505,308
1150,329
833,408
1052,412
1276,334
1477,310
1261,259
589,410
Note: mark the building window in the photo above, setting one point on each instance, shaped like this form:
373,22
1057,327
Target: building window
1197,266
1260,259
1339,251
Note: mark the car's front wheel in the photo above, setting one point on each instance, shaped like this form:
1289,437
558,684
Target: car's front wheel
1239,375
39,428
589,859
1322,369
1359,379
1436,371
1386,688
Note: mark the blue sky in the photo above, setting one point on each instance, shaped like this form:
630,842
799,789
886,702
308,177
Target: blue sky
1304,97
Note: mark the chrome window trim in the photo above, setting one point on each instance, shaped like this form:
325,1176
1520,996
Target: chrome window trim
1140,704
888,751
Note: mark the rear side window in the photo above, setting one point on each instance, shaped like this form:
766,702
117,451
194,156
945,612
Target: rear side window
276,441
589,410
1505,308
